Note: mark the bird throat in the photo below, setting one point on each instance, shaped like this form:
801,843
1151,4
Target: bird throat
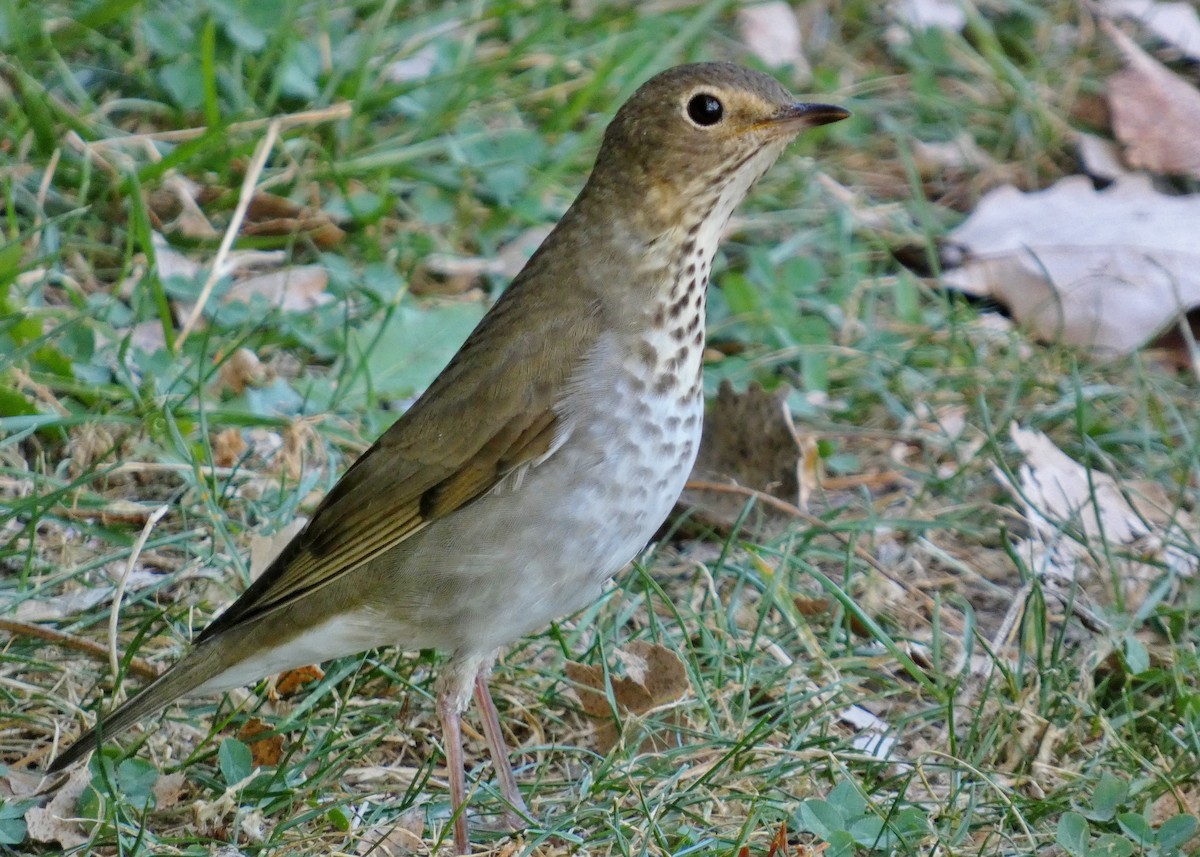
689,266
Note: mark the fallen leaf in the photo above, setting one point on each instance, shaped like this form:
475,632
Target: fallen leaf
398,836
1177,24
274,215
416,66
294,680
750,442
168,790
872,733
812,607
148,336
116,511
240,370
942,434
1176,346
655,676
779,843
297,289
169,262
918,15
1105,270
1058,495
772,33
1155,113
71,604
961,153
267,750
317,228
56,822
175,206
228,447
1100,158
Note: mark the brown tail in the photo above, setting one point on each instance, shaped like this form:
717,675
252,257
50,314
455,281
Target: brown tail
197,667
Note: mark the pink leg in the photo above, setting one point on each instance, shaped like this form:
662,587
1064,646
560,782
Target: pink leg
516,813
447,706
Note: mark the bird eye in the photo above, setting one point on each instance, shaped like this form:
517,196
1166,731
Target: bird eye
705,109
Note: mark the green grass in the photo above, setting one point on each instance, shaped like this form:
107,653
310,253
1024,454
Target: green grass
1018,726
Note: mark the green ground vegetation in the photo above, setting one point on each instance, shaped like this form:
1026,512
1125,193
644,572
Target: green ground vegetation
1023,716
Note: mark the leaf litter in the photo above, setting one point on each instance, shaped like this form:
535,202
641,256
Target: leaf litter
1108,270
940,432
654,676
1155,112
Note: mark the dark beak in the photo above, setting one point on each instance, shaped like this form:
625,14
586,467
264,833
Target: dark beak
809,115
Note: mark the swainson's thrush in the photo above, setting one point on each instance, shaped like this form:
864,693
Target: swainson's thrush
546,453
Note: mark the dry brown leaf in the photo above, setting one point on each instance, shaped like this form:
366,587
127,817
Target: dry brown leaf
1177,24
264,751
1155,113
168,790
55,822
1058,495
1106,270
771,32
751,442
294,680
175,206
399,836
241,370
265,206
274,215
228,447
655,675
296,289
811,608
317,228
170,262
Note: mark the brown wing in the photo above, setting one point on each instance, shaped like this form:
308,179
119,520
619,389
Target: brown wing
489,413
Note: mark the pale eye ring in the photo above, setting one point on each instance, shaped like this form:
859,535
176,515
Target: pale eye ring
705,110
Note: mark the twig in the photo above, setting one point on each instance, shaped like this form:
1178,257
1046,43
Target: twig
291,120
44,191
761,496
119,594
136,467
137,666
235,223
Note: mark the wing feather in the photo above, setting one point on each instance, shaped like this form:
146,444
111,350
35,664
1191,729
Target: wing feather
489,414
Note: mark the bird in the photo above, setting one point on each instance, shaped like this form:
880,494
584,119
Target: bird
547,452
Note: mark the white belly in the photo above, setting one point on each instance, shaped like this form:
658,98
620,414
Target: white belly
536,548
541,546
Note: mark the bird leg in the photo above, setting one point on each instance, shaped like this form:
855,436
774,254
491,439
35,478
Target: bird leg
450,714
516,813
